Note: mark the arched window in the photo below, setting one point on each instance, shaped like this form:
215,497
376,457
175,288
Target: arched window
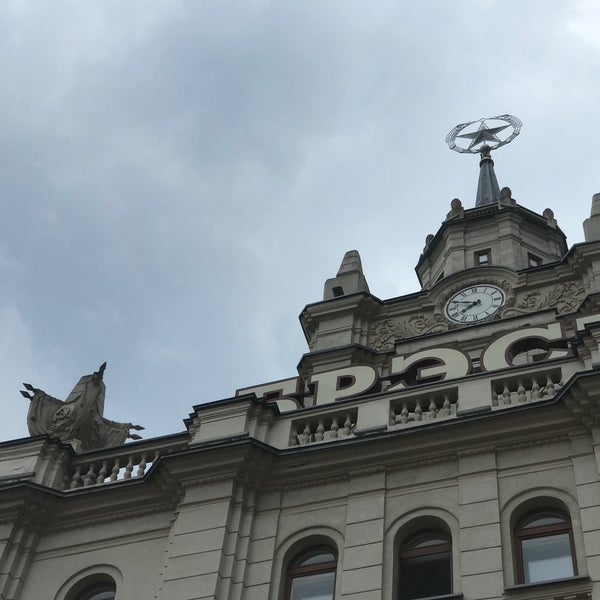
102,591
425,567
544,547
311,575
95,587
99,592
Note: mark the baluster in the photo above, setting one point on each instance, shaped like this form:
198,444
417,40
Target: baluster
549,389
347,426
90,476
294,437
102,472
521,395
506,395
446,407
76,481
536,394
499,399
404,414
418,411
332,433
319,431
304,437
114,474
141,467
128,468
432,407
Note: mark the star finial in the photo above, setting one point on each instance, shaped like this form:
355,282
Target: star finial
486,133
483,134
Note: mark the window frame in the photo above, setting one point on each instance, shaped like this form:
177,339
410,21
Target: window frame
533,258
405,552
522,533
294,572
90,592
487,253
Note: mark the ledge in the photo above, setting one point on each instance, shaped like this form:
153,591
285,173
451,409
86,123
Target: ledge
578,587
444,597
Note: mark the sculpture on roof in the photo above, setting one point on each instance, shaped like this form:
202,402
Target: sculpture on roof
79,420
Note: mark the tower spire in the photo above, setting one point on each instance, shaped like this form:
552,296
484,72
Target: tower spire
485,135
488,190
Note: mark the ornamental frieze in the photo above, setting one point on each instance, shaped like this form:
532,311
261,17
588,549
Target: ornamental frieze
383,334
565,297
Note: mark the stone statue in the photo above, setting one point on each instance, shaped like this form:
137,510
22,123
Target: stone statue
79,419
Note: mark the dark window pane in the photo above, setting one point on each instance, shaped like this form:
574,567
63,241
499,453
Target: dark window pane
547,558
424,576
98,593
313,587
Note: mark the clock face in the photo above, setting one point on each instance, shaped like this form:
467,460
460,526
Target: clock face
474,304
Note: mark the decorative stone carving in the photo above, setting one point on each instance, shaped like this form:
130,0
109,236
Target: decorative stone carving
430,237
79,419
548,214
383,334
506,198
456,210
564,297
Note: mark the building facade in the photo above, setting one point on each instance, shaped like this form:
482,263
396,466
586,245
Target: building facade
439,444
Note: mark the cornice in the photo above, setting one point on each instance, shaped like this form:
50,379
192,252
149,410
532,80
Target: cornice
66,524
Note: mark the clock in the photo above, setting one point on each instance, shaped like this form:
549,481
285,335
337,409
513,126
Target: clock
474,304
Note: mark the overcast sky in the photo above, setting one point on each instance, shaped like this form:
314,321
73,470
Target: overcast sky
178,179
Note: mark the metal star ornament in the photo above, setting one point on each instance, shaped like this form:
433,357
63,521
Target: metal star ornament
486,134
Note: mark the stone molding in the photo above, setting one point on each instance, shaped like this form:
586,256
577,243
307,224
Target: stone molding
108,518
565,297
383,334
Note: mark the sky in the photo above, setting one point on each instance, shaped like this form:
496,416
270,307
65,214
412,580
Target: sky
178,179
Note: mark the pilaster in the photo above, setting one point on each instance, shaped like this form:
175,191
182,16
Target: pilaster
196,547
479,513
362,576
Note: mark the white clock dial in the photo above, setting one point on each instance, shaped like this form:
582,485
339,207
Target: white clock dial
474,304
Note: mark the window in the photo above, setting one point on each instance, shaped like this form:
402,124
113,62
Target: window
98,586
311,575
483,257
544,547
533,260
98,592
425,565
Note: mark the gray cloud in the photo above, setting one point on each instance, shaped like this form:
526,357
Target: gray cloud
179,179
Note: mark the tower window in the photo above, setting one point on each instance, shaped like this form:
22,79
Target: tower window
533,260
483,257
338,291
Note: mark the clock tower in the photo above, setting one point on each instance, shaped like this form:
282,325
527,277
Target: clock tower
493,266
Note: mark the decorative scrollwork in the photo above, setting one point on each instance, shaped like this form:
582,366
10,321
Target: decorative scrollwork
383,334
564,297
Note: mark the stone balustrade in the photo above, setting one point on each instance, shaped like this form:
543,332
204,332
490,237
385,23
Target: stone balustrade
527,387
110,470
424,407
115,465
323,428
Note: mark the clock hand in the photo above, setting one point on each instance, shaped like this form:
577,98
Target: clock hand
474,303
